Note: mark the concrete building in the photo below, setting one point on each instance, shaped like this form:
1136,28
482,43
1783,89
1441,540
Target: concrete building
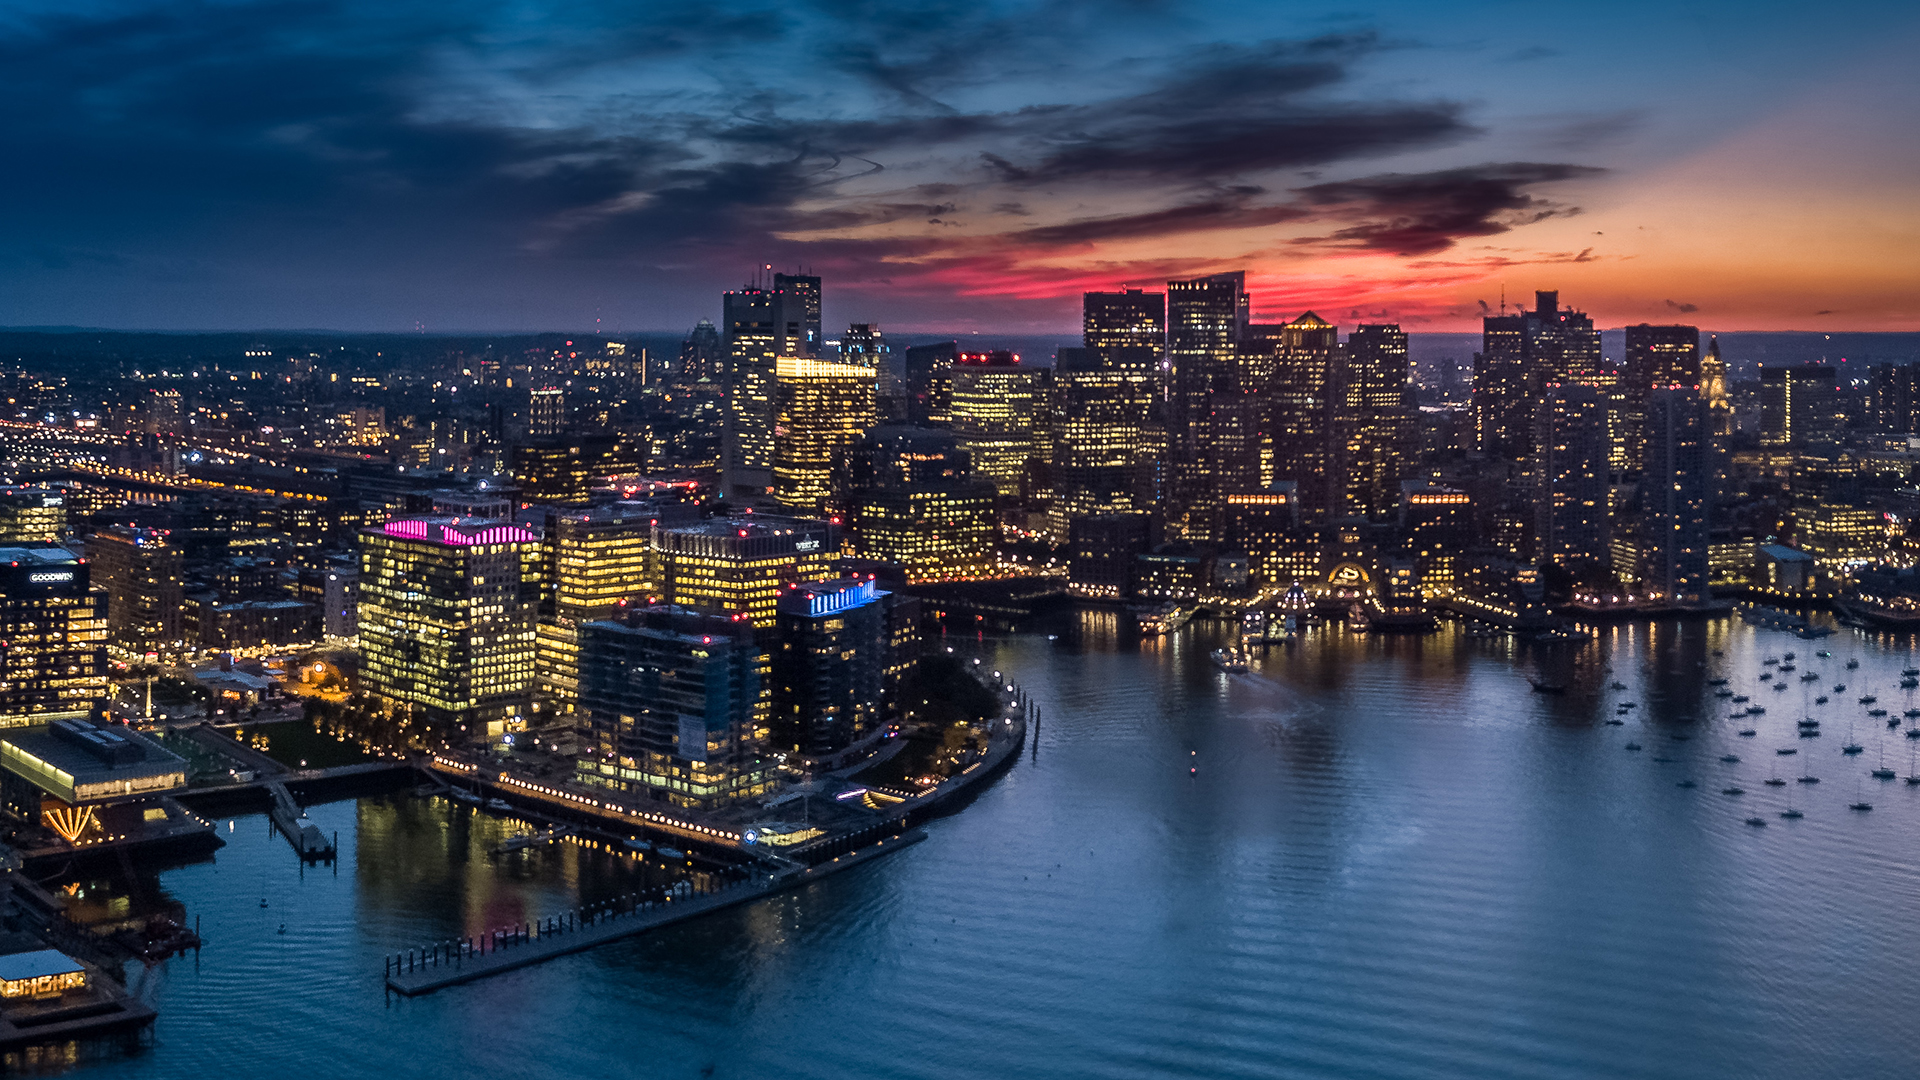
1570,474
1676,495
141,570
829,665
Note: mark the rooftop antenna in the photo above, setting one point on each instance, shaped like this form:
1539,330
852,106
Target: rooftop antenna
1503,298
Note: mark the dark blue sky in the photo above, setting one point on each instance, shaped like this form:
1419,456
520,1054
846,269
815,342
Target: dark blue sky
382,165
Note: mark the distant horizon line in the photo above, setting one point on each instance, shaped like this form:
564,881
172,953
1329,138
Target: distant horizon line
615,335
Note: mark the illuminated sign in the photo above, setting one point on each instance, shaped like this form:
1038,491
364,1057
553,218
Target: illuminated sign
48,577
852,596
806,545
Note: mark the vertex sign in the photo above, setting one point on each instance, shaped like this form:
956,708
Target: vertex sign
49,577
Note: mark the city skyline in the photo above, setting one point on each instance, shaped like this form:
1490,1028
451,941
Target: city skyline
953,169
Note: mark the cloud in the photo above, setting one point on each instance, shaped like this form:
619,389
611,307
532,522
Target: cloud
1423,213
1684,309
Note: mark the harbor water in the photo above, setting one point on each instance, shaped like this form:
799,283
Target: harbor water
1368,856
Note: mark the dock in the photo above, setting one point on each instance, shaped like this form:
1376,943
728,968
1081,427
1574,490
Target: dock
449,963
308,841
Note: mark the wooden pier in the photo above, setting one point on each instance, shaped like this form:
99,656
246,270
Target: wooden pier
447,963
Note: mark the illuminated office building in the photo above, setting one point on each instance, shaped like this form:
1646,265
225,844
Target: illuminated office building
1799,405
1130,318
1302,403
1676,495
446,621
929,382
995,404
796,315
1570,469
1521,355
1656,356
1268,526
546,412
821,406
747,438
1436,527
913,500
829,665
32,515
55,622
1104,441
673,708
141,571
1375,422
1206,322
738,566
564,471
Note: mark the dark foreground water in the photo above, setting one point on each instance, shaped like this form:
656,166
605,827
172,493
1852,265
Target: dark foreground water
1394,861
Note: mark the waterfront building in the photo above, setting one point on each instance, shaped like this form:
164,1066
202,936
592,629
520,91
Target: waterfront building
55,621
1206,322
1799,405
996,405
1130,318
913,500
1436,528
821,407
829,666
1838,535
1375,426
446,621
738,566
1169,572
141,570
1676,493
1269,527
87,781
1104,442
32,515
1100,553
1570,474
673,708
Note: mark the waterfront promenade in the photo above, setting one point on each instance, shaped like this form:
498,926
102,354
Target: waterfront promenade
442,964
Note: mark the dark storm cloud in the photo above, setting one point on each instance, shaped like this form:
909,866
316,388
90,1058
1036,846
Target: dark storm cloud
1421,213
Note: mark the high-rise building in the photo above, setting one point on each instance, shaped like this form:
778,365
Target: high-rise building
820,407
1570,469
996,401
1206,322
1269,527
1104,440
564,471
752,345
1130,318
1305,384
1656,356
1713,388
929,385
1799,405
914,501
864,345
703,356
1521,355
829,663
738,566
141,571
1101,549
1376,427
1436,529
54,659
1896,398
673,706
32,515
1676,495
446,621
796,315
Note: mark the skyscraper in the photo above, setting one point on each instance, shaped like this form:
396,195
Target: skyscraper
752,345
1570,471
1799,405
1376,426
1676,495
446,621
738,566
1206,320
1521,355
1128,318
1304,386
1656,356
1104,443
996,402
820,406
796,315
702,355
829,661
929,382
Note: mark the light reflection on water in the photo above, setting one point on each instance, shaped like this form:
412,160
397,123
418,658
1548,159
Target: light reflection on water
1394,860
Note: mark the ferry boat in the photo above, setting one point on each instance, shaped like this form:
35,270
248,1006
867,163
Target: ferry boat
1161,618
1232,661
